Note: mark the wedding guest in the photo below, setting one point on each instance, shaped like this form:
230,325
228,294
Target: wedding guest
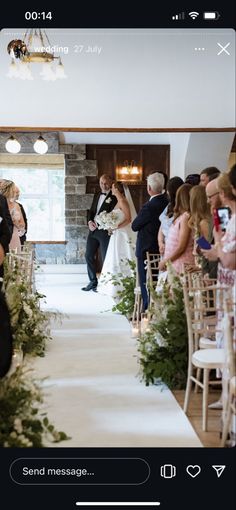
206,173
5,238
224,251
102,201
201,221
225,242
17,194
166,217
232,179
5,208
192,179
179,243
8,190
147,224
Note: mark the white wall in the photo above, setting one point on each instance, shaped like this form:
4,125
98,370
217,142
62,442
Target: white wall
208,149
140,78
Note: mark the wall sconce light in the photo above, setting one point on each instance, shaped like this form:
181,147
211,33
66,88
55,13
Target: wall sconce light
40,146
129,172
12,145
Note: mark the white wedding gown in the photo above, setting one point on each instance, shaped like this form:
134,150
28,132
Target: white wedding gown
121,247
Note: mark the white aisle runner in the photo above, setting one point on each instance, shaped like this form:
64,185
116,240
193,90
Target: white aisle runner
93,392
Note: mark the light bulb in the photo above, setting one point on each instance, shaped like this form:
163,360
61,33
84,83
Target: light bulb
13,71
40,146
60,71
12,145
134,170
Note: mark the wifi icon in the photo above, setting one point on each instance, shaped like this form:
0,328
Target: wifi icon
193,14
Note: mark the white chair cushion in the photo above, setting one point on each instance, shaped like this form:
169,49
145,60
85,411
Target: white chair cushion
209,358
207,343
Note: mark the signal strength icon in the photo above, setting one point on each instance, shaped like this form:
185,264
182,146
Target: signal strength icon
193,14
178,16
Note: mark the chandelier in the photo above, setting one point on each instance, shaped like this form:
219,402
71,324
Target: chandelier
34,48
129,172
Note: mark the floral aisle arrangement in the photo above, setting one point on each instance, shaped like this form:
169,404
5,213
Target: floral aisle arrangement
163,349
107,220
125,294
22,421
30,325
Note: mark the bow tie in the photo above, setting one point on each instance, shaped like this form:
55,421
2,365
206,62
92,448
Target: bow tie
103,193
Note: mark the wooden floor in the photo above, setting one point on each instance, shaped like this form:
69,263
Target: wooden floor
212,437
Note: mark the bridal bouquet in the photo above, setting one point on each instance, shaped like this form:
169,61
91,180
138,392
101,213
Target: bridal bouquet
107,221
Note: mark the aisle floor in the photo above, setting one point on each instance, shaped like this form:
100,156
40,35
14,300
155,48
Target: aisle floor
93,391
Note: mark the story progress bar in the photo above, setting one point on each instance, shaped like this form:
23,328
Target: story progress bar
116,503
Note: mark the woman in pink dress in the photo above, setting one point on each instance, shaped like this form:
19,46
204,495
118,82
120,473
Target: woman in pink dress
179,243
9,191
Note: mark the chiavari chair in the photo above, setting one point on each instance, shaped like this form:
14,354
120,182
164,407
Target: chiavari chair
196,307
230,368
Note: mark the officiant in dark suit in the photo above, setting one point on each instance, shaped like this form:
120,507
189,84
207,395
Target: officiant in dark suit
147,224
103,201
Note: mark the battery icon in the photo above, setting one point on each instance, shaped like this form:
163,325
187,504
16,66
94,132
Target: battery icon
211,15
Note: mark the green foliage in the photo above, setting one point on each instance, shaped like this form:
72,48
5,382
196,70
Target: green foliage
22,422
125,293
164,348
30,325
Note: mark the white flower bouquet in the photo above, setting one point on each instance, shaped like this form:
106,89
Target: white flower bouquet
107,221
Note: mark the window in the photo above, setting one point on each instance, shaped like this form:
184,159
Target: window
42,194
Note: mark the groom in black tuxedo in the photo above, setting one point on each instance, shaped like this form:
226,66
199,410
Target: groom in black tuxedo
103,201
147,224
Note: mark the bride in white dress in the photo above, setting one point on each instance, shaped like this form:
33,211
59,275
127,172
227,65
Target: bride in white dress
121,245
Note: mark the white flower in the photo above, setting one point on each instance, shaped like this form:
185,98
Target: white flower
13,435
107,220
18,425
27,310
108,200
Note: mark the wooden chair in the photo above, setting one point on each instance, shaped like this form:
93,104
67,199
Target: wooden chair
205,359
230,407
151,265
136,317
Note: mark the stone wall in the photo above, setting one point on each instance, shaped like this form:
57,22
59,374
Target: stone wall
77,201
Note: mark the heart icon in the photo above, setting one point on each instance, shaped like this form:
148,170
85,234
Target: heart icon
193,471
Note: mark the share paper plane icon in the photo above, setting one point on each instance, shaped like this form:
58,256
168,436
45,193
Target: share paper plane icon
219,470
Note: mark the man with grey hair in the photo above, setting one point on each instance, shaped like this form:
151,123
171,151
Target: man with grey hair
147,224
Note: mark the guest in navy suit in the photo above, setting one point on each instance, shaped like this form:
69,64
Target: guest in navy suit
103,201
147,225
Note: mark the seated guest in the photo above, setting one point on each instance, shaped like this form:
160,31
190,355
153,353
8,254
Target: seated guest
166,217
206,174
179,243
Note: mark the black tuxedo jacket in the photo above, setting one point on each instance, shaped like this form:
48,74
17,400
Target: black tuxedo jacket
108,205
147,224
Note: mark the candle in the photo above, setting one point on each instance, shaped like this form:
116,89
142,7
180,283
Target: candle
135,330
144,323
